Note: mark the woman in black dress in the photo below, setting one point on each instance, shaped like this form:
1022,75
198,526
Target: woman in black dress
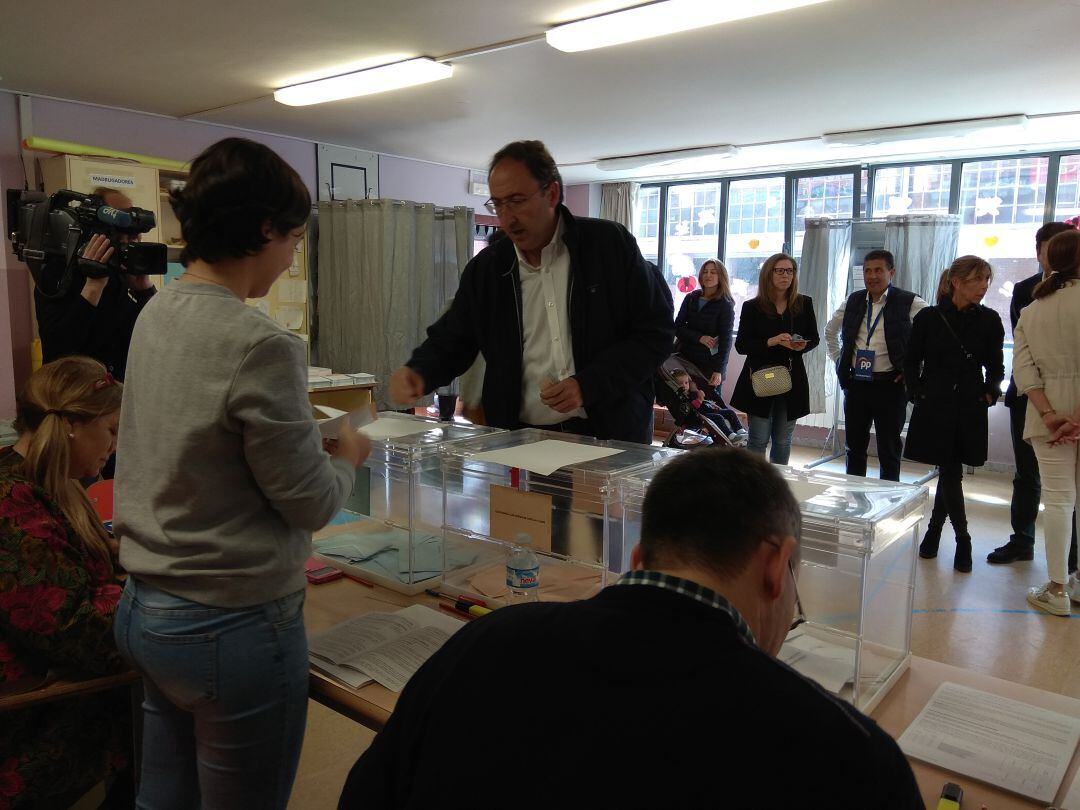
775,329
953,371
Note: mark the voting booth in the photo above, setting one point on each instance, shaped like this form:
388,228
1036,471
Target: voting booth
555,492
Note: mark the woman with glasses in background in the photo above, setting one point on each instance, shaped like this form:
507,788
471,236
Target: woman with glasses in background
775,329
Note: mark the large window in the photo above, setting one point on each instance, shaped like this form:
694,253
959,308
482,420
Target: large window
830,196
693,234
922,189
647,222
1002,204
1068,191
755,230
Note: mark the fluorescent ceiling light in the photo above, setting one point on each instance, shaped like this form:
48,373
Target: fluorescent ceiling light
660,19
618,164
938,129
365,82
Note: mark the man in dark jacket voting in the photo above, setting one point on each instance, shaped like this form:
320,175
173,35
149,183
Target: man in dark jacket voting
661,691
569,317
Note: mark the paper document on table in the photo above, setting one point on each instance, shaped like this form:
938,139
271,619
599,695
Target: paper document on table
331,426
545,457
1072,798
383,647
395,428
998,740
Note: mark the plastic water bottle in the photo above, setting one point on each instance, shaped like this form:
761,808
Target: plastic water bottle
522,572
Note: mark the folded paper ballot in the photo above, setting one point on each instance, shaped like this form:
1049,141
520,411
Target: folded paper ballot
331,425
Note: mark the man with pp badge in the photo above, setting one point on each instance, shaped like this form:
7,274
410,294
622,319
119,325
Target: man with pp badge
867,338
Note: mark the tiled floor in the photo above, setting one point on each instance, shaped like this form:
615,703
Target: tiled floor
979,621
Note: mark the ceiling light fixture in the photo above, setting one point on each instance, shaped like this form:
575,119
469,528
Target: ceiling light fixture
627,162
365,82
659,19
936,129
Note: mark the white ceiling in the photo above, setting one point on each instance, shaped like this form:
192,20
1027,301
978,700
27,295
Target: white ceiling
842,65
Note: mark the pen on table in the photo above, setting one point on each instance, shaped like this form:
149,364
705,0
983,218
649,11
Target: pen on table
358,579
462,608
461,597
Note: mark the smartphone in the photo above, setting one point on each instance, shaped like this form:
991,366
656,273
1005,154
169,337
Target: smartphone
796,338
325,574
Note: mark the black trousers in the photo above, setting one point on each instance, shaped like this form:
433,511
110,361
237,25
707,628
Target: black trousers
882,403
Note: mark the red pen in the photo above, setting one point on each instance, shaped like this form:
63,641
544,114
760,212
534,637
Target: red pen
455,611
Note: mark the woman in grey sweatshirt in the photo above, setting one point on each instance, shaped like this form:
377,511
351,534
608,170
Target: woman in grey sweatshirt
221,478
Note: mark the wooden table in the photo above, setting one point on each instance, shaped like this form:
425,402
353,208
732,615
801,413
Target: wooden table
65,688
898,708
342,397
372,705
333,603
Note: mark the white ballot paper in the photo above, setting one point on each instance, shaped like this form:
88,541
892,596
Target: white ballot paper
545,457
995,739
394,427
384,647
330,427
829,665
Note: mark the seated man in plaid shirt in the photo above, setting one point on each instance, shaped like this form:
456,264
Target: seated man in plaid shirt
661,691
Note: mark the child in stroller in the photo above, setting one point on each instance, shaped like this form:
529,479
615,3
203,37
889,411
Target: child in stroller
695,406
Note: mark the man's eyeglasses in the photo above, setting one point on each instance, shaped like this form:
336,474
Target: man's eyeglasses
784,271
512,204
800,614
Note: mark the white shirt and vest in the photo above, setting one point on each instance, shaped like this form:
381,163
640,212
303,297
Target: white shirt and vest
548,354
876,342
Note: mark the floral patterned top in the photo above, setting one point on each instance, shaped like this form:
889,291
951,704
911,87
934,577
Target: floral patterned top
57,602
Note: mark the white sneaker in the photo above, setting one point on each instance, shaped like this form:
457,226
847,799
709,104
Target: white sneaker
1072,587
1054,604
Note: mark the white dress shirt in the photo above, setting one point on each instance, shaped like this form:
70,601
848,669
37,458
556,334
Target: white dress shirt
882,361
1045,355
548,352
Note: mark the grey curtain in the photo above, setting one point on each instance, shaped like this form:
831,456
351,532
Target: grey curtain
924,245
387,269
617,203
823,275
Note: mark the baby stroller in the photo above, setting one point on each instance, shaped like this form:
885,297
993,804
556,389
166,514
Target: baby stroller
700,419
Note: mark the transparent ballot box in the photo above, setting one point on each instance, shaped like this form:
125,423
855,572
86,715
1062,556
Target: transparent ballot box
856,577
558,490
391,530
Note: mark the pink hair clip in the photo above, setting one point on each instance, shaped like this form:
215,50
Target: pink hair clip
105,381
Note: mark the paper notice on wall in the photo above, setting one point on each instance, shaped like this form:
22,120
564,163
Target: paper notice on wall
290,317
291,291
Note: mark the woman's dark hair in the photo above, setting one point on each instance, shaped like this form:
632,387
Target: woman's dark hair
1063,262
536,158
235,188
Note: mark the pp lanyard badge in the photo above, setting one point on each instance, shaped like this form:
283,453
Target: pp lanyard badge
864,358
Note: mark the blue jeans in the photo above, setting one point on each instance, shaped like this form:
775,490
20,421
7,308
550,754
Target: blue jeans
225,698
775,426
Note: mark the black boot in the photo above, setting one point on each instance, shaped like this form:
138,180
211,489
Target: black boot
962,558
929,544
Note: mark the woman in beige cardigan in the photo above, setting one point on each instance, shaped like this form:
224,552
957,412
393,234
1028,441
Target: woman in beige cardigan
1046,366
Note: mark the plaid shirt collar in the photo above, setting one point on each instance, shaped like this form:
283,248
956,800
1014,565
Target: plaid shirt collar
699,593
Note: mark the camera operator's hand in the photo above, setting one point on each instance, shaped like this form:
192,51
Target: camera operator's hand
92,262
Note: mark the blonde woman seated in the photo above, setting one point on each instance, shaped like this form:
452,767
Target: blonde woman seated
59,589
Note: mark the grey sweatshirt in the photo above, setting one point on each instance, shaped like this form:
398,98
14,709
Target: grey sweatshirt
221,476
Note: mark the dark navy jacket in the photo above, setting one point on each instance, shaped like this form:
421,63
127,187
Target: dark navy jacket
620,323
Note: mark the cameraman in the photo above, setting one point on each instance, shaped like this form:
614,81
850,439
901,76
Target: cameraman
95,316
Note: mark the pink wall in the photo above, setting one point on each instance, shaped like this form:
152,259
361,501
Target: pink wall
418,181
577,200
155,135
